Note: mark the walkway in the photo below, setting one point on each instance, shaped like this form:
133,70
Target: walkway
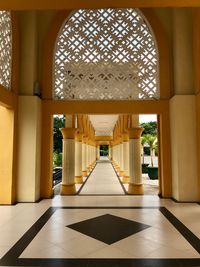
103,180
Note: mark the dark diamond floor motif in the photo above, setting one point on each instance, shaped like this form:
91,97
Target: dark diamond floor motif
108,228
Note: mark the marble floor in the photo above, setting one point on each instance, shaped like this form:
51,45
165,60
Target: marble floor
103,180
102,226
91,230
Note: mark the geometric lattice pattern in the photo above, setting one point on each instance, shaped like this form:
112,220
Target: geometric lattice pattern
5,48
106,54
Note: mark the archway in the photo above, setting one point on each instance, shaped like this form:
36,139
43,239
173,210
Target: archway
159,107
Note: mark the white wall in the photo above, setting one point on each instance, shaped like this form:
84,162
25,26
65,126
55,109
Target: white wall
29,149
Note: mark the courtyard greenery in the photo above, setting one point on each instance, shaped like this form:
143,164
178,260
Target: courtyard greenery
149,141
59,122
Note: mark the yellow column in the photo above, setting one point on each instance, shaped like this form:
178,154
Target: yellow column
110,151
113,154
126,157
97,151
68,171
93,154
84,157
121,173
135,184
118,155
88,156
78,158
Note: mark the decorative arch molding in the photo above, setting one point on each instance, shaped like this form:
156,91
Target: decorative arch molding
162,44
106,54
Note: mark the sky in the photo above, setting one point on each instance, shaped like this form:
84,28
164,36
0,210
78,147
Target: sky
147,118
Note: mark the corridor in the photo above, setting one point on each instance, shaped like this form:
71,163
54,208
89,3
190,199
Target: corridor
102,180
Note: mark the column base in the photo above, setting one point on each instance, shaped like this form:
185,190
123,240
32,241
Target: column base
79,179
84,173
125,179
121,173
94,163
136,189
66,189
117,169
88,171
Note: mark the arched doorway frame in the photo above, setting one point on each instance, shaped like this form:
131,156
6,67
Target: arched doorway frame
159,107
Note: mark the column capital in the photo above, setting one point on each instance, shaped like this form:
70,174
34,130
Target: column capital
78,137
135,133
97,143
68,133
85,139
125,137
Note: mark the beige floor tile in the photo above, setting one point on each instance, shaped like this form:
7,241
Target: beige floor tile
109,252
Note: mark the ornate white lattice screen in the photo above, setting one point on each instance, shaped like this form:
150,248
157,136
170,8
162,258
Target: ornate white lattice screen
106,54
5,48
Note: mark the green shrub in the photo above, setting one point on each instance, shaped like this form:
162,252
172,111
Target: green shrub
57,159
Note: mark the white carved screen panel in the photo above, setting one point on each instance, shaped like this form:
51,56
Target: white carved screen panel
106,54
5,49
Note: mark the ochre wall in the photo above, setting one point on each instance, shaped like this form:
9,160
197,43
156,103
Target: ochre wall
8,126
184,149
7,156
183,54
29,149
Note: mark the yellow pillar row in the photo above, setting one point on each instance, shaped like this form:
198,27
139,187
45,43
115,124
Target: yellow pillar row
78,158
68,162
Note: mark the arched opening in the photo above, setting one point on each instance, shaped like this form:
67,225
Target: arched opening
106,54
73,106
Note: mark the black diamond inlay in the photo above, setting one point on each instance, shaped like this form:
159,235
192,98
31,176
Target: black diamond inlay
108,228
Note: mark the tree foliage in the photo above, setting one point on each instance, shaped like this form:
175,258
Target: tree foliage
151,141
59,122
149,128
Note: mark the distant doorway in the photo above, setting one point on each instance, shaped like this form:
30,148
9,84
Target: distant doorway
104,150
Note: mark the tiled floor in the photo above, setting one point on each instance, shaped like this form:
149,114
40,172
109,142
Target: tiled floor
170,236
103,180
111,229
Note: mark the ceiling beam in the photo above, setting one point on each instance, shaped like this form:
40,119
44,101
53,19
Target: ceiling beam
103,138
68,4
